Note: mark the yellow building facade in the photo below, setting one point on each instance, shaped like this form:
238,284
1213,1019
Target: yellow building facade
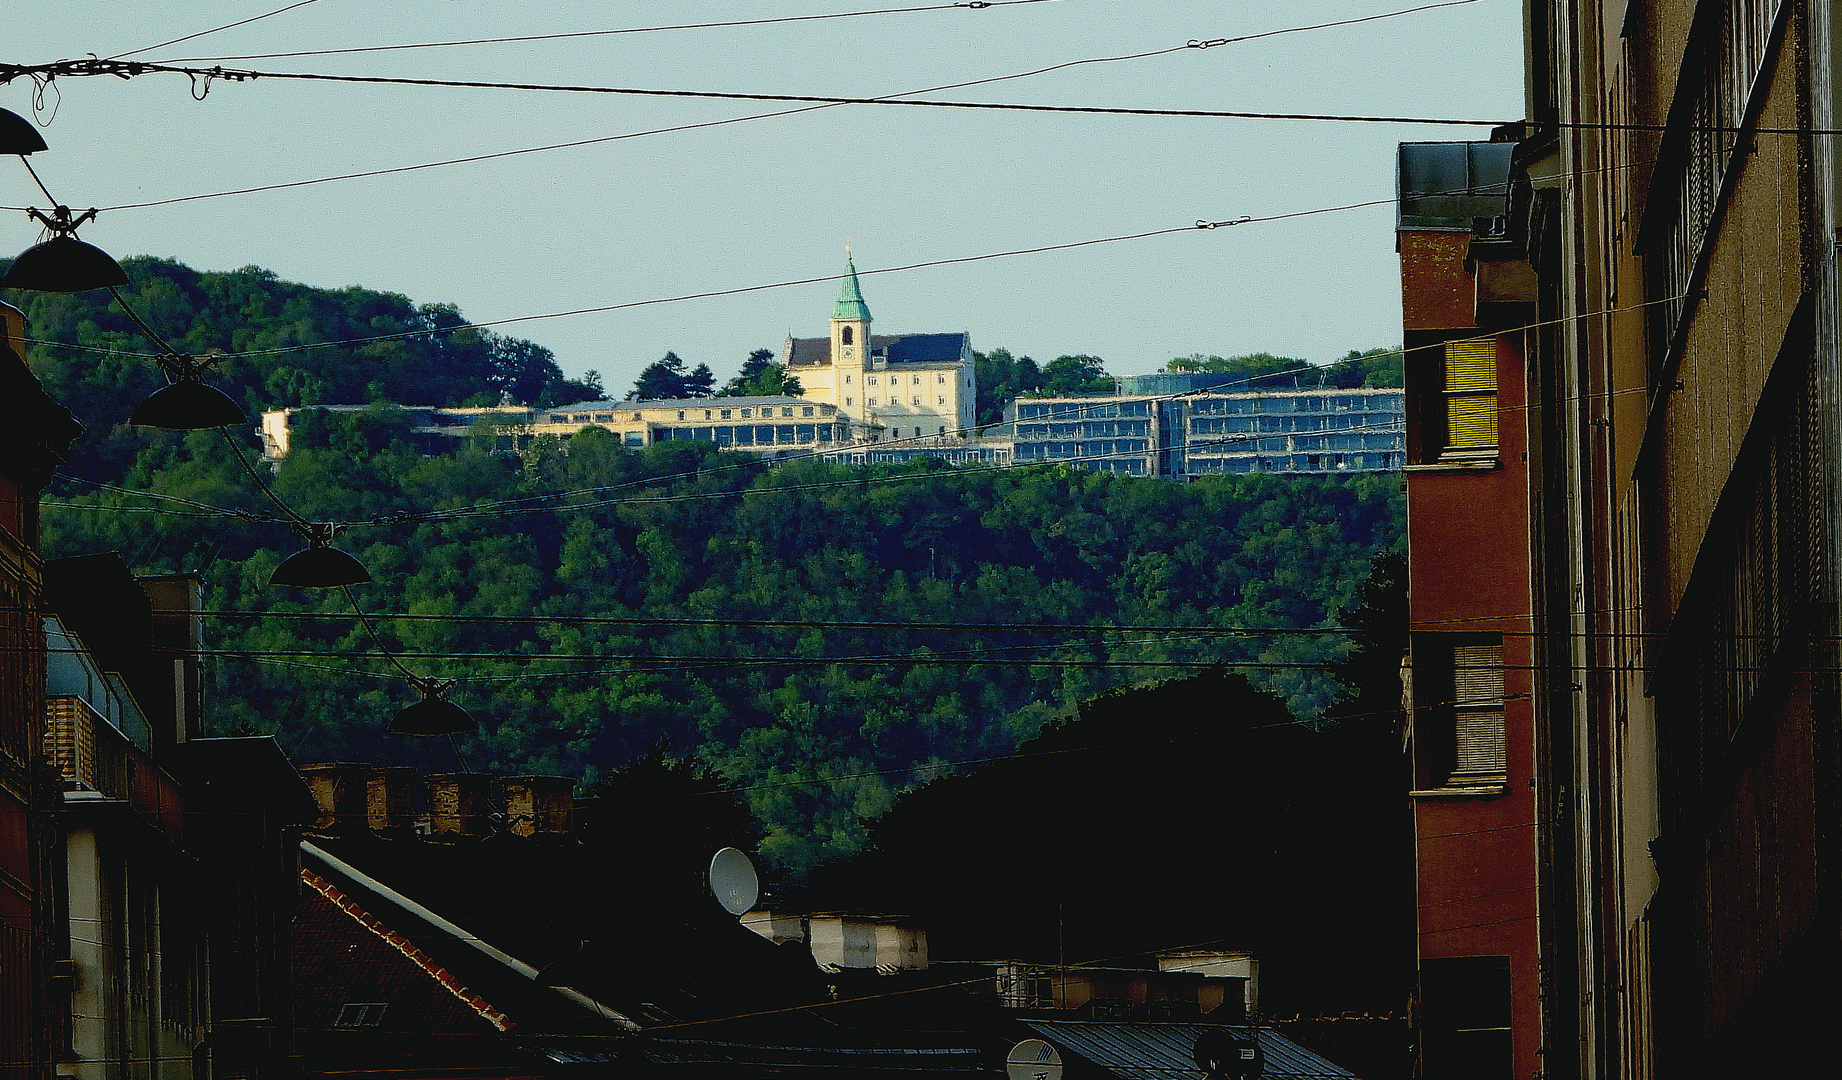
899,386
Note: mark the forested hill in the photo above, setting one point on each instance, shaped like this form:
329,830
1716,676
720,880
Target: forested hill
774,623
826,636
283,344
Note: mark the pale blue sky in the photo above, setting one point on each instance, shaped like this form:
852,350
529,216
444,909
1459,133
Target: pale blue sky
775,199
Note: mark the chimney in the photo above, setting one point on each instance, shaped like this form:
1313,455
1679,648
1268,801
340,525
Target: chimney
540,805
338,789
389,805
458,806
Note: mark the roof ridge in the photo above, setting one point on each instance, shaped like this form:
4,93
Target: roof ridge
408,949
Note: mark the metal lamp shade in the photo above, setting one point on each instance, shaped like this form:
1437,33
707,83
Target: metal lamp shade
320,568
18,135
63,264
188,404
433,716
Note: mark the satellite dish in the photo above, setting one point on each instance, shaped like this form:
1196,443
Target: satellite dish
1033,1059
1229,1055
733,881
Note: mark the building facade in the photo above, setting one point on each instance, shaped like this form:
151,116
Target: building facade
173,861
1470,732
1679,194
1320,431
769,426
902,386
34,431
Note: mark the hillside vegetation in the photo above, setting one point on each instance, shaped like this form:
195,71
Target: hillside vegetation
825,636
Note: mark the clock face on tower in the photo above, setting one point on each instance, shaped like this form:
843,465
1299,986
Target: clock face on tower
848,352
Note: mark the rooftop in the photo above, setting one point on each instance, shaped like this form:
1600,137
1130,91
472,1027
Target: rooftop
1447,186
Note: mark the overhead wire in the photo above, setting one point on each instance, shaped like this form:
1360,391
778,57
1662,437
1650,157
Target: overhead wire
793,624
129,69
1193,44
580,34
214,30
69,68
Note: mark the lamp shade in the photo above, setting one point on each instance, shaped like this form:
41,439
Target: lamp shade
320,567
188,404
433,715
63,264
18,135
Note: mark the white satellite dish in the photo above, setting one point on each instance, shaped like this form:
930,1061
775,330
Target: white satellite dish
733,881
1033,1059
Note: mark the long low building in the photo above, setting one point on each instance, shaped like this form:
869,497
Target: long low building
1319,431
773,426
1182,436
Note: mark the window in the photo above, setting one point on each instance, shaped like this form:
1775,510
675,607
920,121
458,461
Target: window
847,402
1470,395
360,1014
847,380
746,413
940,401
725,413
707,414
916,399
869,401
940,378
1039,991
805,410
917,380
1458,723
844,335
1478,745
786,410
1464,1026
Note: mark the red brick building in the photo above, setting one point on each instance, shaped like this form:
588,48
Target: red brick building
34,430
1470,732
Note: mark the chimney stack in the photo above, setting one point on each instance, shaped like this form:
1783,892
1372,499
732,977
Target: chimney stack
389,803
542,806
338,789
458,806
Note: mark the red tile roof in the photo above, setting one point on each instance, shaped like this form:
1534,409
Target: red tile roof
343,955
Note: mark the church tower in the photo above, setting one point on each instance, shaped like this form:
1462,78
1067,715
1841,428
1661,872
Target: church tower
850,340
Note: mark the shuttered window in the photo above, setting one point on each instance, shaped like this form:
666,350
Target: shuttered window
1478,744
1470,395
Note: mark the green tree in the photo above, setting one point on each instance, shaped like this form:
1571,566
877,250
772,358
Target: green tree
1075,375
661,380
1002,378
699,382
762,377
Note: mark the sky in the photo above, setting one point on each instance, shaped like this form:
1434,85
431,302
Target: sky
655,216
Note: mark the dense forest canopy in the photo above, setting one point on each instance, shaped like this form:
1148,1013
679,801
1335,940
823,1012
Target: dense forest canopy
825,636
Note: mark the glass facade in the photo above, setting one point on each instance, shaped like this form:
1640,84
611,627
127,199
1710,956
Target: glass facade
1319,431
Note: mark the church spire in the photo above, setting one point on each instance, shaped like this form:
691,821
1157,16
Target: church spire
850,297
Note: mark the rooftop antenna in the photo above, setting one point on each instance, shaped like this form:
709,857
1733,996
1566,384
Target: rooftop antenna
733,881
1033,1059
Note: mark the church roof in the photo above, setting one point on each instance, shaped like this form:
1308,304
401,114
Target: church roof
895,348
850,296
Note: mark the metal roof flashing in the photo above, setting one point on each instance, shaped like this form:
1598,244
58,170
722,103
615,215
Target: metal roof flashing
1447,186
